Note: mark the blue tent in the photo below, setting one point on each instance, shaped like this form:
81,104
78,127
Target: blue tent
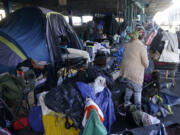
35,33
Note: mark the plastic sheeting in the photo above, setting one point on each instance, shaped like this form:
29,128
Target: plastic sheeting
169,99
119,54
102,99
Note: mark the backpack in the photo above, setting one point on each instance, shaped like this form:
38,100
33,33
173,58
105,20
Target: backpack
11,87
66,99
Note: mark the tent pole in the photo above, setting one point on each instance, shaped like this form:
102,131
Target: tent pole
7,6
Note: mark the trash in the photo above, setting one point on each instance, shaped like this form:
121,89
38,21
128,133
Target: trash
148,120
141,118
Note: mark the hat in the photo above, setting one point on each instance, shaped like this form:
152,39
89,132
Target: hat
134,35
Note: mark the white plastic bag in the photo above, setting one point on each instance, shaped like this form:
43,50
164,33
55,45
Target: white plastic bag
148,120
99,84
169,56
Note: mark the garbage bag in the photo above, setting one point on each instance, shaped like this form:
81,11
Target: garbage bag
66,99
149,120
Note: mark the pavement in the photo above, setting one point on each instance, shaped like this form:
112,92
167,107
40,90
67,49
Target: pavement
122,123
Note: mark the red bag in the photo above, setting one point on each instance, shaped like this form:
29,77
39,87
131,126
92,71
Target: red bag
18,126
150,37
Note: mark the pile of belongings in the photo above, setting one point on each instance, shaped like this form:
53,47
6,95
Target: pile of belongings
17,94
119,55
93,83
159,104
164,47
93,47
79,105
72,100
101,59
43,73
157,98
139,117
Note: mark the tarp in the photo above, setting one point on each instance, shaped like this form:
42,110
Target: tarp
102,99
119,54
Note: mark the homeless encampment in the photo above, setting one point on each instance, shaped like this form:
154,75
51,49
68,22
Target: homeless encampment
36,33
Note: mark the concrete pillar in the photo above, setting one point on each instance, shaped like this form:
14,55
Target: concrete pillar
129,14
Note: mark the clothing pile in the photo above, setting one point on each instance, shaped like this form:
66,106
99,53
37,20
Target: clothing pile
80,104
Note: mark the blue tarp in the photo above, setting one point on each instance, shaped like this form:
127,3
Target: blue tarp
170,100
119,54
102,99
26,27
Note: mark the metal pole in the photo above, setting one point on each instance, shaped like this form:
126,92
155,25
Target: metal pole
70,18
7,6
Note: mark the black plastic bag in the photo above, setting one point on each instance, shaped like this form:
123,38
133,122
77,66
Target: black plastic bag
66,99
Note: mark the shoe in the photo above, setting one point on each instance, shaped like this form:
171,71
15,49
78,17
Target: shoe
122,110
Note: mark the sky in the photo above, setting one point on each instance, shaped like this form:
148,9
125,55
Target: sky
162,17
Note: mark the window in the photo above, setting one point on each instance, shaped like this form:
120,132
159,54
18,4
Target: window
87,19
66,18
76,20
2,14
121,20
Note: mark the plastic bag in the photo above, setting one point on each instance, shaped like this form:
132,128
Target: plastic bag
169,56
148,120
99,84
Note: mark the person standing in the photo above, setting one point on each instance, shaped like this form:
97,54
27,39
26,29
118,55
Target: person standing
132,67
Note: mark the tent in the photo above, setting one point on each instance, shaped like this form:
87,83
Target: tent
34,32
